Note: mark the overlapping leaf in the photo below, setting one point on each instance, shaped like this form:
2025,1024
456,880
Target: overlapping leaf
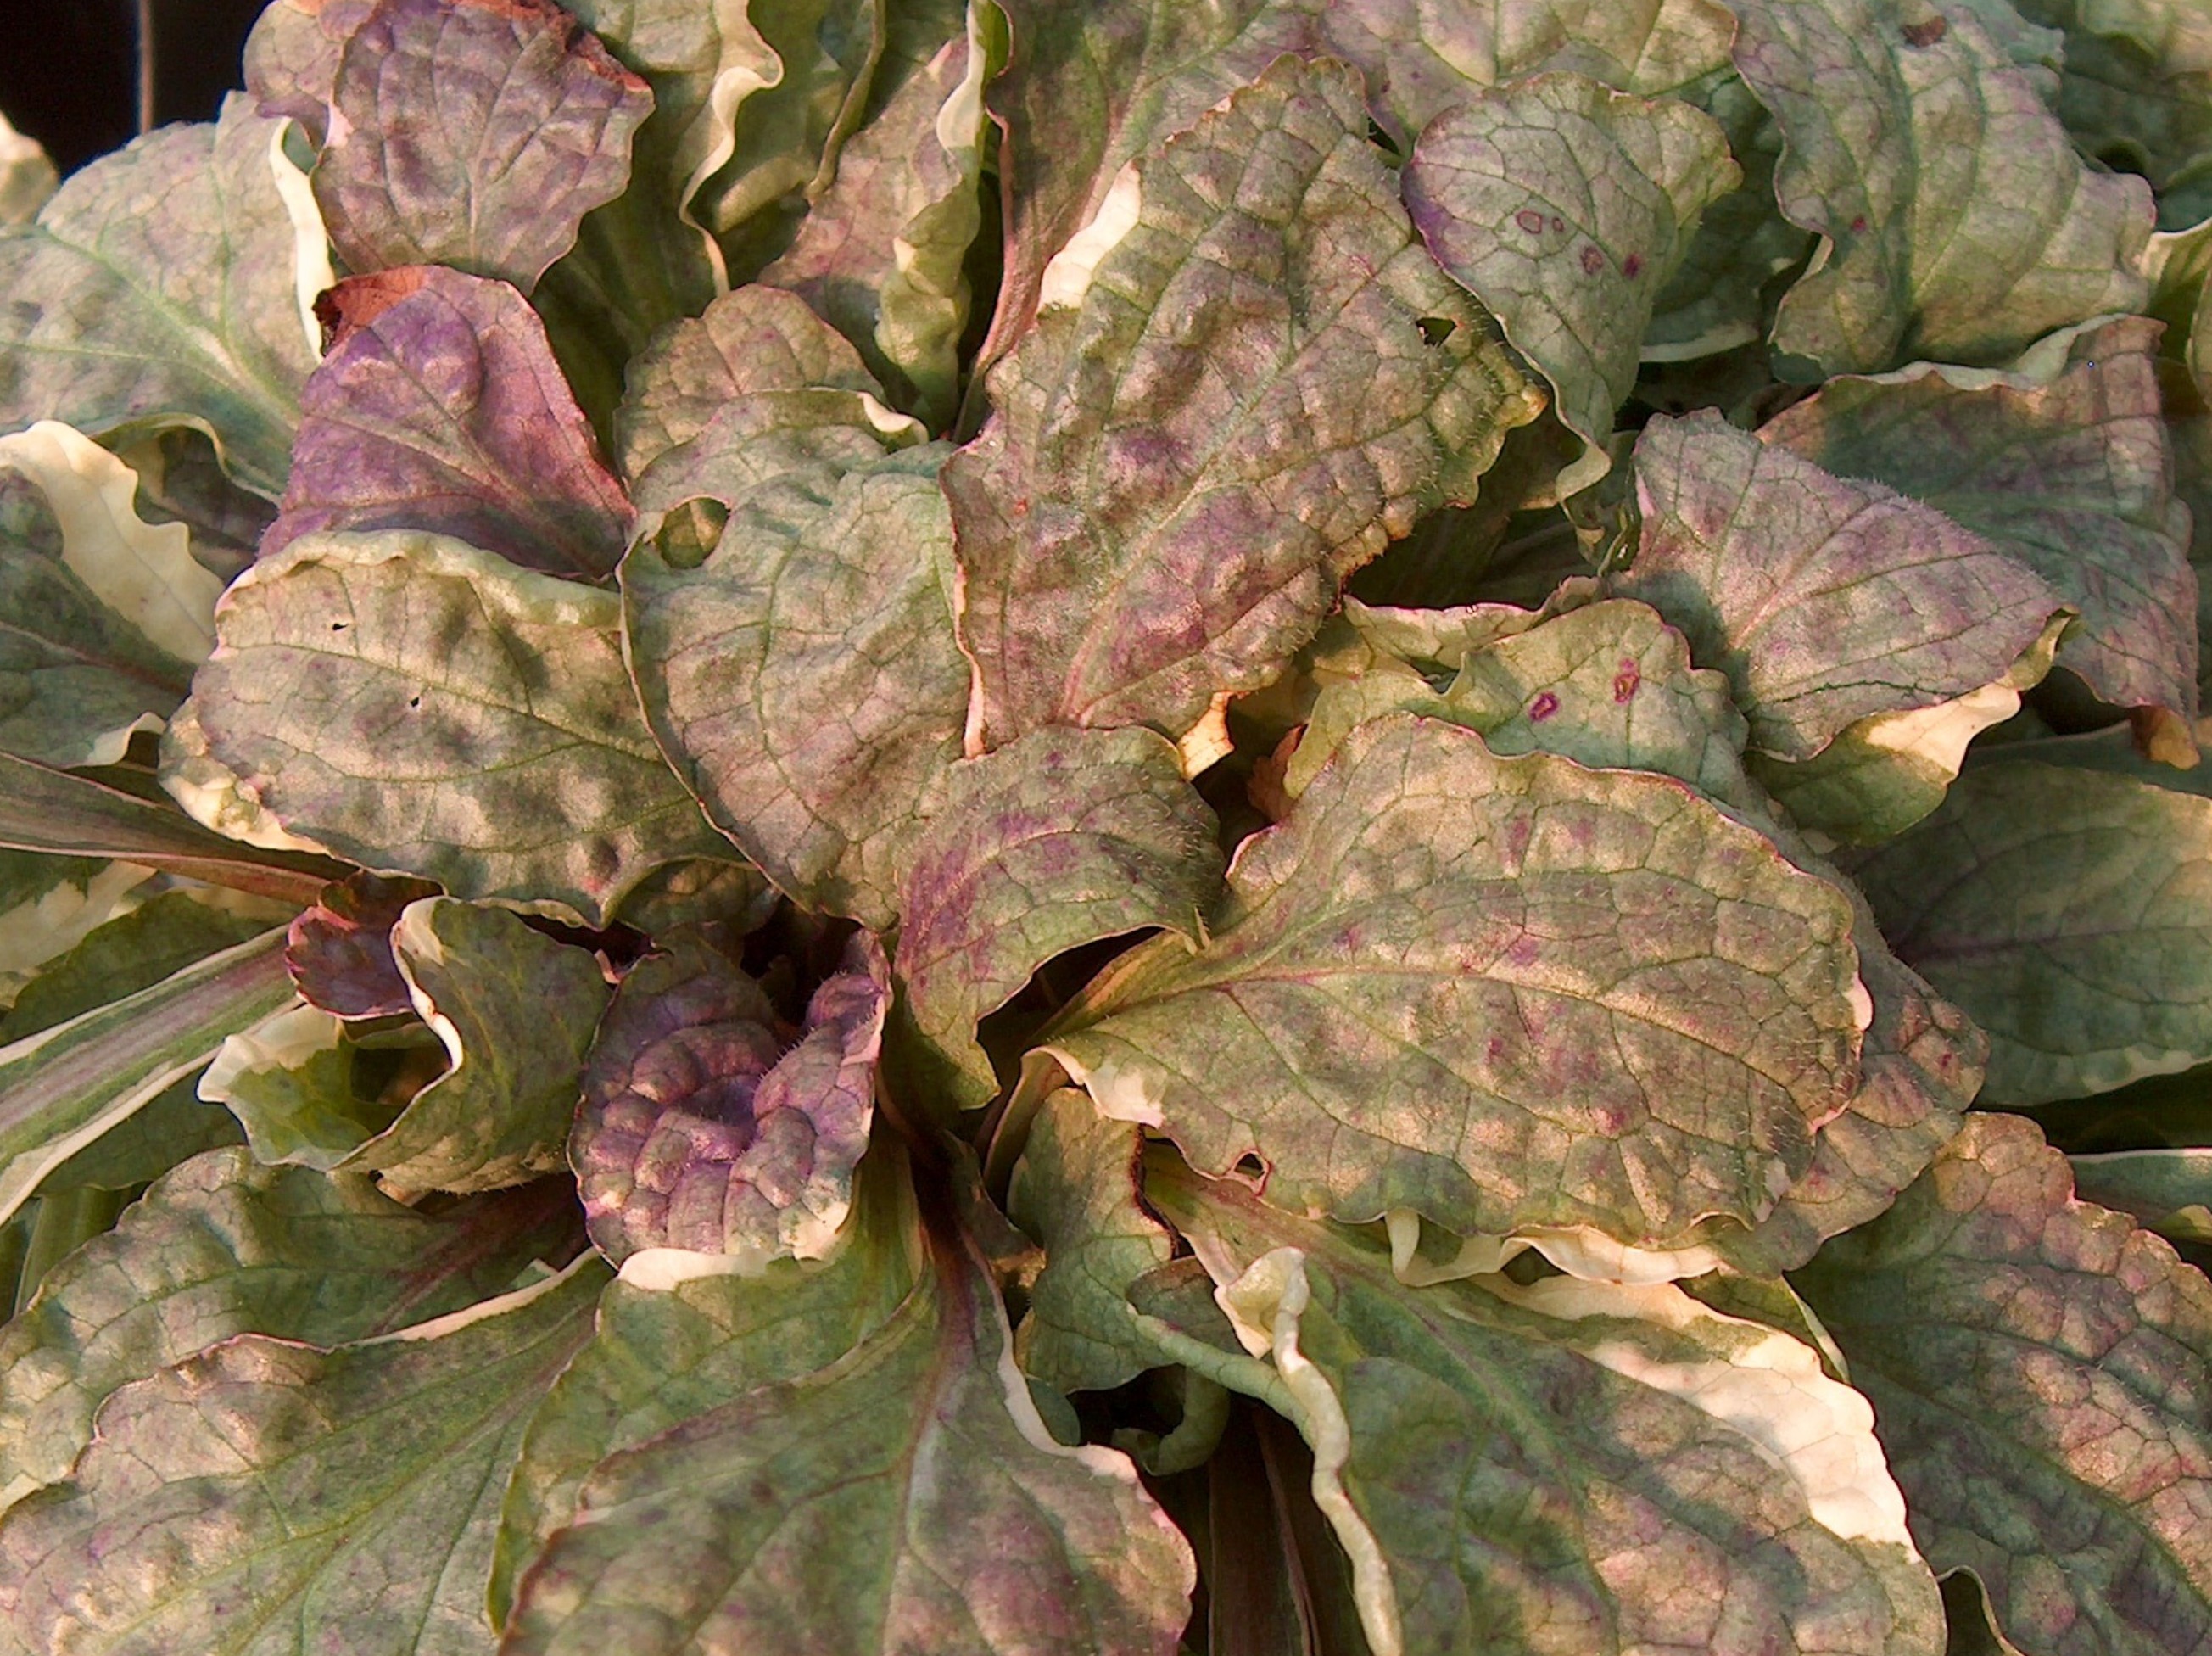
134,949
1497,992
1571,1467
1058,840
1142,528
354,1491
805,677
420,707
2036,1367
339,949
1956,222
701,1130
49,904
159,288
27,179
439,407
2068,910
2135,91
474,133
1566,208
222,1246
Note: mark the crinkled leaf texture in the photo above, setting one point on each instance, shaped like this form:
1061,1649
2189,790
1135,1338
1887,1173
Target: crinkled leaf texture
1233,406
1568,1467
474,133
702,1129
1058,840
906,1497
2037,1367
1498,992
439,406
354,1492
404,700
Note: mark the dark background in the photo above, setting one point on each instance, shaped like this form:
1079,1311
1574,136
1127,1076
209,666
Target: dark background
69,71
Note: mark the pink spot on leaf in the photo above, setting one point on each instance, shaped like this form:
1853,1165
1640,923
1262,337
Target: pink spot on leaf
1529,220
1543,707
1593,260
1625,681
1858,225
1558,224
1633,266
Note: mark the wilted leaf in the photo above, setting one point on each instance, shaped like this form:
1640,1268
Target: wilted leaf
339,950
475,133
805,675
439,407
355,1491
1825,600
158,289
420,707
222,1246
907,1497
1565,207
1075,1190
1140,529
2070,912
1059,840
1497,992
1956,222
2036,1367
1573,1466
2065,468
701,1130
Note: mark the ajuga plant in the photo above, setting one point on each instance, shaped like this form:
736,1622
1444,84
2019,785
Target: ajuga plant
1113,827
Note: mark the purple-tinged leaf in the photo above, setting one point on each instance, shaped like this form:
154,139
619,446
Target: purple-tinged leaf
702,1129
439,406
2065,466
475,133
2041,1374
1255,390
1825,600
339,951
292,58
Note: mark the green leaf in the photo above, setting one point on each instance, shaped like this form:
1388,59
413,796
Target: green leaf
222,1246
1487,990
2136,90
355,1492
2169,1191
164,285
133,950
173,1127
290,1082
476,134
1568,1467
1075,1190
1922,256
703,1127
27,179
1141,533
1061,839
906,1497
2069,911
49,905
756,388
806,675
2063,466
1566,208
65,1086
420,706
680,1334
1824,600
882,255
2036,1365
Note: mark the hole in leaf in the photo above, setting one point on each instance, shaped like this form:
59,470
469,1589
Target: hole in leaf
1434,330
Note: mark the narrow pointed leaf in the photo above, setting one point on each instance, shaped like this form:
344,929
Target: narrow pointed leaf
63,1086
354,1490
133,950
1141,531
702,1129
2070,912
158,289
1585,1467
474,133
439,407
818,1515
1824,600
2068,472
2037,1366
222,1246
1059,840
1956,222
1566,208
49,905
807,677
420,707
1484,989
